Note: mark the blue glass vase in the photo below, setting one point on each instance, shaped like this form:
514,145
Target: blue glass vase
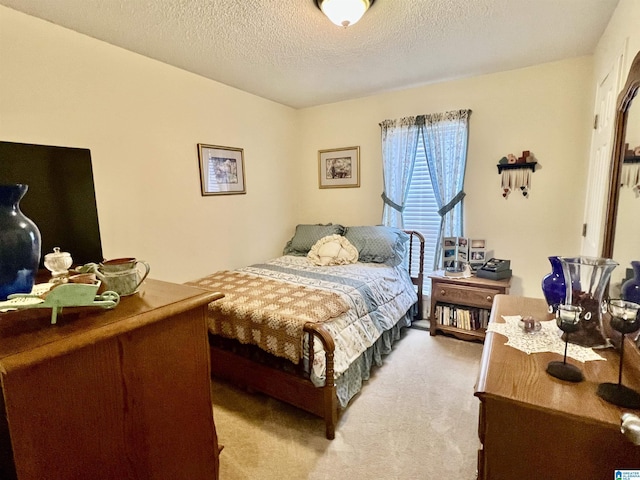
631,288
19,243
553,285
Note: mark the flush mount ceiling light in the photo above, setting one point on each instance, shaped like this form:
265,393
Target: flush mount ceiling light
344,12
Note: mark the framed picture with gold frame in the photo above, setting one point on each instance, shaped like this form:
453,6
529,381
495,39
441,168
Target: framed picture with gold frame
339,167
221,170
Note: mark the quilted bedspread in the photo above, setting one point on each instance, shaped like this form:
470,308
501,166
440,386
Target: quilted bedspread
377,297
266,312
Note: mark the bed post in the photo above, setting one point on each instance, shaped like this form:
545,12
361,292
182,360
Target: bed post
330,407
419,278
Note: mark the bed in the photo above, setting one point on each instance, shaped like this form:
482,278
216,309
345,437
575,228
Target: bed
307,327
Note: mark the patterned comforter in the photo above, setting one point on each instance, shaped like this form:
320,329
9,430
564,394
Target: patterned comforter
377,296
267,312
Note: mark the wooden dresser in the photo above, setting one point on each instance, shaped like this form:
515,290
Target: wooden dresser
534,426
109,394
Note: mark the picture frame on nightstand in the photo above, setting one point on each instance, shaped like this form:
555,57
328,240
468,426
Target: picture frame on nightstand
455,252
477,254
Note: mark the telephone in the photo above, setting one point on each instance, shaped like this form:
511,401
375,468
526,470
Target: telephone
496,265
495,269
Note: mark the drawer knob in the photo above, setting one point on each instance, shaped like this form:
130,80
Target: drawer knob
489,299
442,292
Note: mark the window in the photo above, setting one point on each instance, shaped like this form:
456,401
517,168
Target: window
424,160
421,211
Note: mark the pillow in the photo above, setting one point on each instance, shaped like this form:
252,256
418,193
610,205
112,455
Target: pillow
378,244
333,250
306,237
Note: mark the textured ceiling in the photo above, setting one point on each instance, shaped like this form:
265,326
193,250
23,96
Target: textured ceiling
289,52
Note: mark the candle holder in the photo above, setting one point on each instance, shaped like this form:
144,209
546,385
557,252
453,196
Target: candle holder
624,319
568,320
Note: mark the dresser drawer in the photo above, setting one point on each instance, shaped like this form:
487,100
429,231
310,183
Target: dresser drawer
464,295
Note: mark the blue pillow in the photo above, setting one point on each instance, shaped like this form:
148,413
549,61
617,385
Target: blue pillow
378,244
306,237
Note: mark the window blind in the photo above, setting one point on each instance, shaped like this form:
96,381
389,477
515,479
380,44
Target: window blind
421,212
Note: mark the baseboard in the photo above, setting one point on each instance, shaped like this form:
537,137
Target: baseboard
420,325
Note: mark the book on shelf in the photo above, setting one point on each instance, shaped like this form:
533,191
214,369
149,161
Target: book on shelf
465,318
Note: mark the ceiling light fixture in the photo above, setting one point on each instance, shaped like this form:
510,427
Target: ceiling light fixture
344,12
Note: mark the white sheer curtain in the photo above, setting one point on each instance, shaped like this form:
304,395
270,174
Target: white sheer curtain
445,137
399,143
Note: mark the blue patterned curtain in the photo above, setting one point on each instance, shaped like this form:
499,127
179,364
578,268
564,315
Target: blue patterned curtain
445,137
399,143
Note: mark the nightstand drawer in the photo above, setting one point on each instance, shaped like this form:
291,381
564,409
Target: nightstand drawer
465,295
472,296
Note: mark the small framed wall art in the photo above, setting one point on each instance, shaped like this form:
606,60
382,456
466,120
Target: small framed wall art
339,167
221,170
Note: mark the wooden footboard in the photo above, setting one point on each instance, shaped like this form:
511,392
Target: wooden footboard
292,388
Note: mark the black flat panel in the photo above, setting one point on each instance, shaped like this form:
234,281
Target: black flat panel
61,197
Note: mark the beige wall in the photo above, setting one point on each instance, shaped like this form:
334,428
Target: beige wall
142,121
545,109
622,35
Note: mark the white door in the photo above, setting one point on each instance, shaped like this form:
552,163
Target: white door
600,160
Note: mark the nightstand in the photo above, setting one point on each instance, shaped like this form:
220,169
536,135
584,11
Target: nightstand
461,306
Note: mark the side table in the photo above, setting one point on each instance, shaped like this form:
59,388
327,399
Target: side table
463,297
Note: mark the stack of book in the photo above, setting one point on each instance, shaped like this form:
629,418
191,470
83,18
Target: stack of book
466,318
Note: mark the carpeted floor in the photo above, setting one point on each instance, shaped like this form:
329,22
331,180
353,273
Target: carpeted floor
416,418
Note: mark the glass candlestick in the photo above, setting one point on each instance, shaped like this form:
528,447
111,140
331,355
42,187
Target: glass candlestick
624,319
568,320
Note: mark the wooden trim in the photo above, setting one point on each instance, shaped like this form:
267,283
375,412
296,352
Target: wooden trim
627,94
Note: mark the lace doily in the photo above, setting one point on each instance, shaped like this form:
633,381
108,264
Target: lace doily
547,339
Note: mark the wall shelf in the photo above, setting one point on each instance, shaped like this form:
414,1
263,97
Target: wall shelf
517,166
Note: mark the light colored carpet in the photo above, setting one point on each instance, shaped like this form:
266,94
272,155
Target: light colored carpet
416,418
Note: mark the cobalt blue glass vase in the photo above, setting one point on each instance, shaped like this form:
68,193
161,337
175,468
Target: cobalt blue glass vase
631,288
553,285
19,243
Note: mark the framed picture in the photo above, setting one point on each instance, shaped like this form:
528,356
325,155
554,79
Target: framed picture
477,255
221,170
339,167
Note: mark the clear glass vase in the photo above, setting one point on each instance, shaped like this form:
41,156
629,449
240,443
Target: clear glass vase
586,279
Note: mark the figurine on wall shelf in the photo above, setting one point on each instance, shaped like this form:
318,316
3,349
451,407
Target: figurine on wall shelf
630,153
630,172
514,177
